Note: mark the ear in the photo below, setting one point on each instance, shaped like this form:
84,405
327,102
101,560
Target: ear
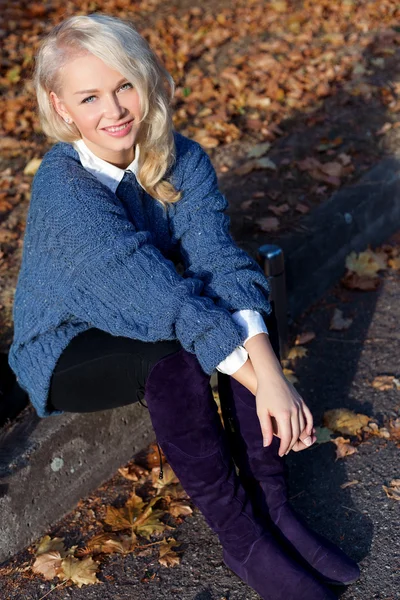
59,106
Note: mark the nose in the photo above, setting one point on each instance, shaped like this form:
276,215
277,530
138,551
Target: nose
113,109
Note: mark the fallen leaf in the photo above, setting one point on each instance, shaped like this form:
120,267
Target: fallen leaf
365,264
32,166
150,523
279,210
178,509
48,564
82,572
304,338
133,472
290,376
349,483
323,435
393,492
345,421
259,150
169,477
343,447
338,323
47,544
297,352
383,382
167,557
352,281
268,223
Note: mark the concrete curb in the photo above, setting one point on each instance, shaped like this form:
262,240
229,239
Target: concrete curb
47,465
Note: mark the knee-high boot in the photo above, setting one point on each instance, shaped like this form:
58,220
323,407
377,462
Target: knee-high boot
186,422
262,472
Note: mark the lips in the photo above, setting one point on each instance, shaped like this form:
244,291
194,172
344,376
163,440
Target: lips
113,128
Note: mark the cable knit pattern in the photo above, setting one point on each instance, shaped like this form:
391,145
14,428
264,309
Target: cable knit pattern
92,258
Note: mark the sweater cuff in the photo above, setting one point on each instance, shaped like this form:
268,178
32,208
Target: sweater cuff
234,361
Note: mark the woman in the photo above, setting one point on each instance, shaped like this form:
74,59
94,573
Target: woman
102,318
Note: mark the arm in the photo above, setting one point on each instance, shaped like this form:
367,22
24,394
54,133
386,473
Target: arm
280,408
199,224
112,277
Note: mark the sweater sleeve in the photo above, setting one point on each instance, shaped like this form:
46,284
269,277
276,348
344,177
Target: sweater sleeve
199,224
114,278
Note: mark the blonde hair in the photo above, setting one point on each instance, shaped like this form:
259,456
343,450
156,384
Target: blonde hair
117,43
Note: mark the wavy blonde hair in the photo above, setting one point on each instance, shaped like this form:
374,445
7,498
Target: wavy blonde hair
119,45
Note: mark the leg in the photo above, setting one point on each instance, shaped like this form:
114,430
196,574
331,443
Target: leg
262,471
188,429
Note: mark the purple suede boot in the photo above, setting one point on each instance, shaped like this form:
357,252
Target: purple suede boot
188,428
262,472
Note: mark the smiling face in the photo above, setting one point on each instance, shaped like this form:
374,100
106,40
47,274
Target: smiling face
98,100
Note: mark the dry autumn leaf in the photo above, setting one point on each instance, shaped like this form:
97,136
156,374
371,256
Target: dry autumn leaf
384,382
81,572
47,544
345,421
365,264
304,338
168,557
297,352
179,509
343,447
169,478
393,490
268,223
48,564
32,166
290,376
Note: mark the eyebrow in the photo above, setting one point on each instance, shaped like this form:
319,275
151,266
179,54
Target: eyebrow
92,91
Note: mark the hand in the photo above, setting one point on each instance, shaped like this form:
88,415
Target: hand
282,412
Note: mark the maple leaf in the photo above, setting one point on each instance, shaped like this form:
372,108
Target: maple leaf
168,479
297,352
48,564
150,523
345,421
167,557
105,543
343,447
47,544
133,472
365,264
82,572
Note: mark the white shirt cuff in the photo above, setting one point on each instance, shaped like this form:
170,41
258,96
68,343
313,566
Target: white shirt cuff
234,361
251,323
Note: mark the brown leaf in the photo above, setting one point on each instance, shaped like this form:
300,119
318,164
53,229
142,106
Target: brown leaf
133,472
48,564
82,572
304,338
178,509
352,281
103,543
168,558
345,421
343,447
383,382
393,492
268,223
279,210
150,523
349,483
169,477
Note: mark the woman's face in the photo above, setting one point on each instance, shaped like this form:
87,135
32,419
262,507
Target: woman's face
98,100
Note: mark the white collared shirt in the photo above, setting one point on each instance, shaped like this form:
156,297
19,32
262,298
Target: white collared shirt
250,321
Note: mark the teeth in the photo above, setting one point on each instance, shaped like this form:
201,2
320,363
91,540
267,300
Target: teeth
113,129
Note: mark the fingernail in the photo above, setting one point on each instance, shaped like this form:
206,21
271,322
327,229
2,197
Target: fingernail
307,441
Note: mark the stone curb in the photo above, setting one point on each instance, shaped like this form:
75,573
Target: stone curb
48,465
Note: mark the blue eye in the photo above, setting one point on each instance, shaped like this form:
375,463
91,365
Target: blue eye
85,101
130,85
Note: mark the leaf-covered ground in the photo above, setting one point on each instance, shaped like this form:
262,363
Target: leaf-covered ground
292,99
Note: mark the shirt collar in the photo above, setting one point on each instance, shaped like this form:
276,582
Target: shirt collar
106,173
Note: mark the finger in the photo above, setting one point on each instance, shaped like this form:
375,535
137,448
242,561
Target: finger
300,445
308,417
285,431
295,432
302,423
266,429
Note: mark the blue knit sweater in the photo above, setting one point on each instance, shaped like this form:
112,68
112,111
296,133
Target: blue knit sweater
92,258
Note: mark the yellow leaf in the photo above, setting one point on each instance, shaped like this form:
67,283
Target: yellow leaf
297,352
383,382
32,166
345,421
48,564
47,544
290,376
366,263
152,524
168,479
104,543
343,447
81,572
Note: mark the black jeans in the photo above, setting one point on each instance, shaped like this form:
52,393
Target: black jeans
97,371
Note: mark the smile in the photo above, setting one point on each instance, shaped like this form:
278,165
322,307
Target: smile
119,128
